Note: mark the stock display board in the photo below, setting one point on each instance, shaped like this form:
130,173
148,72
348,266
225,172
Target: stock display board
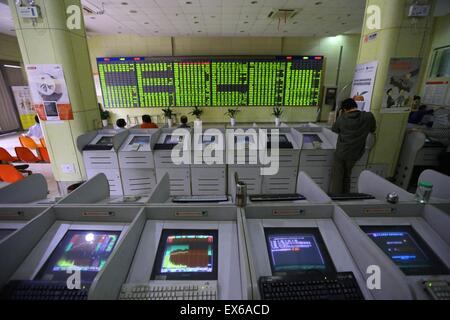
210,81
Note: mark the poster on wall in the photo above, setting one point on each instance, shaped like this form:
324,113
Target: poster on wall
401,84
24,103
363,82
49,91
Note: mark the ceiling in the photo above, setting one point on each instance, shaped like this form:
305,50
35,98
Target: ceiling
216,17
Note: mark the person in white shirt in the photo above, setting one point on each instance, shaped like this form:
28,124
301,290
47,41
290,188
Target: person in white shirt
35,131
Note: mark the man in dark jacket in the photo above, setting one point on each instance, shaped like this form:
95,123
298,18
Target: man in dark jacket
352,127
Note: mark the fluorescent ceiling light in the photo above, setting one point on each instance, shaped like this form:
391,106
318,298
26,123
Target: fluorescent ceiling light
12,66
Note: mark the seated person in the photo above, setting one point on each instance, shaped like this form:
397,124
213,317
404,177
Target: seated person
35,131
147,122
417,117
183,121
121,123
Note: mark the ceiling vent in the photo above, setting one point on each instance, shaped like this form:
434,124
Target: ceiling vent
91,9
283,14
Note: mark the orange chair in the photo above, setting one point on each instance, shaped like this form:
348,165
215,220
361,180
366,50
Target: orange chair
43,143
6,157
26,155
9,174
43,153
29,143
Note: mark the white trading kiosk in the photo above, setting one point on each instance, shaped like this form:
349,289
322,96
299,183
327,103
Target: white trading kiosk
37,256
285,181
137,166
21,202
417,150
348,247
99,149
316,156
421,224
209,179
440,196
179,174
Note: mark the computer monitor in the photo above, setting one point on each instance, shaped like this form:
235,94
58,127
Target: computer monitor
208,139
5,232
105,140
142,140
297,250
407,249
281,138
310,138
187,255
85,250
173,139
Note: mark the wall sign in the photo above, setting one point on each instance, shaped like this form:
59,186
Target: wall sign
24,103
400,85
49,91
363,82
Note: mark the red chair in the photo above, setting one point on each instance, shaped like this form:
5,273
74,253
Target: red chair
9,174
29,143
43,153
6,157
26,155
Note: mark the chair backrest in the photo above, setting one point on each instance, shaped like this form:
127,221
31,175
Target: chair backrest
9,174
43,143
44,154
5,156
26,155
27,142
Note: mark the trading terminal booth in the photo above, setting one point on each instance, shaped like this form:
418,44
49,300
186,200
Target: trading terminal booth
190,252
137,166
440,196
179,174
414,236
309,250
99,149
39,258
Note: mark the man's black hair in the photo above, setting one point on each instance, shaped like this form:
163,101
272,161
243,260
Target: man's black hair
146,118
184,119
416,98
349,104
121,123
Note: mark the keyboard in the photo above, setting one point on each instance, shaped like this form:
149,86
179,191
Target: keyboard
438,289
41,290
341,286
170,290
190,199
277,197
350,196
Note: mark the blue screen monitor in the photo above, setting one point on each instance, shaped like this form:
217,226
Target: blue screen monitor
406,249
297,250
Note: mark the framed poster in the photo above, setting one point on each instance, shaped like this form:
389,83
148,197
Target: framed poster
22,96
49,92
400,85
363,82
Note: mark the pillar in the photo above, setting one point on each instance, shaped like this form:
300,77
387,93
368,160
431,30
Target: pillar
398,37
49,41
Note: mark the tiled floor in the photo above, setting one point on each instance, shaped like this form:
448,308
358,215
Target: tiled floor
10,141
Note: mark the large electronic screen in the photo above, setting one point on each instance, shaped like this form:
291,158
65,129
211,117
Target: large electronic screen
187,254
406,249
210,81
86,251
297,250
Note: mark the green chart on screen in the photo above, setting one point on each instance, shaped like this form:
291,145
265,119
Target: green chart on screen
130,82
